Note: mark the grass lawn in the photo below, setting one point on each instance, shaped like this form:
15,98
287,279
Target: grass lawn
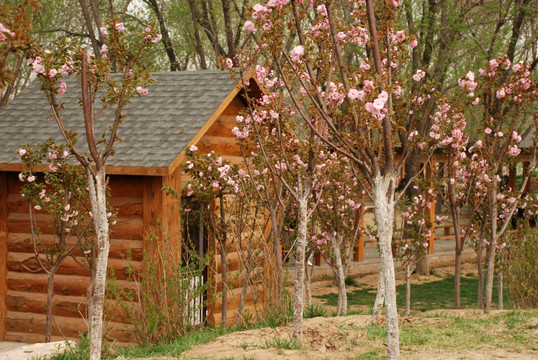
428,296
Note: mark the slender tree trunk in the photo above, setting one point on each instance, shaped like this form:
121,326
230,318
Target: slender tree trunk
492,245
298,305
195,26
480,269
224,274
384,214
50,302
459,247
408,271
97,189
341,308
501,300
379,298
307,282
278,257
243,297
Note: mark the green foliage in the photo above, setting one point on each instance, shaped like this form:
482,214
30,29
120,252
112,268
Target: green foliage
278,317
315,310
351,281
285,343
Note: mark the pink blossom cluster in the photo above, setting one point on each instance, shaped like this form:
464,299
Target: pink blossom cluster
3,31
468,83
377,107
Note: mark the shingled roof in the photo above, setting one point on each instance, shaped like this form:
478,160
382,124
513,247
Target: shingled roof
156,130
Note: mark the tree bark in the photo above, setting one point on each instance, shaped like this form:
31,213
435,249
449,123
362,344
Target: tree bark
97,189
195,26
377,310
408,271
384,206
500,293
89,27
492,247
167,42
480,269
298,306
50,302
224,274
341,307
307,281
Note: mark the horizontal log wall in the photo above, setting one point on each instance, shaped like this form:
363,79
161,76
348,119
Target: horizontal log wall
219,138
26,283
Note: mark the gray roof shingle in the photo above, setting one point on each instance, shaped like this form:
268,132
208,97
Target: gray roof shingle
156,129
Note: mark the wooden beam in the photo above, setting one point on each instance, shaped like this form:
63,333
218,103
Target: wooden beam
526,166
3,253
512,176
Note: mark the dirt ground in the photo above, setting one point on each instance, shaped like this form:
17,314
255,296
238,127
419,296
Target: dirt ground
339,337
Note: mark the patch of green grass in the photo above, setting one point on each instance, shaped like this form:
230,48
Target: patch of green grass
513,330
373,354
284,343
351,281
315,310
428,296
177,346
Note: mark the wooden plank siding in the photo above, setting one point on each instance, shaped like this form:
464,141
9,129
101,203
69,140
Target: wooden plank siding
24,302
3,253
219,138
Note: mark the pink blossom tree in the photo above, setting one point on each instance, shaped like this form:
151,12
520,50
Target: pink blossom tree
501,100
60,193
335,217
365,110
115,91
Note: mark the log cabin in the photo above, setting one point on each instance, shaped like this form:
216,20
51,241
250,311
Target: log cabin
181,109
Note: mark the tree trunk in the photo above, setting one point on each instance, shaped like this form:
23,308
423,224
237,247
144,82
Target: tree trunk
501,300
480,274
298,305
278,257
307,281
492,247
379,298
243,297
50,302
384,206
224,274
97,189
341,308
458,252
408,271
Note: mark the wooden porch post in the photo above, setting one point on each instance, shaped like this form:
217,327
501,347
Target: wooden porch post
512,176
525,172
3,253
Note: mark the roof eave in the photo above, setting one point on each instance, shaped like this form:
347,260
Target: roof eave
233,93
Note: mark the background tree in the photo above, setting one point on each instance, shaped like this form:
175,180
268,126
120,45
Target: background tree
60,192
64,60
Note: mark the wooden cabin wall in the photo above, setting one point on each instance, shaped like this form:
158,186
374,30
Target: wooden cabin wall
25,283
219,138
